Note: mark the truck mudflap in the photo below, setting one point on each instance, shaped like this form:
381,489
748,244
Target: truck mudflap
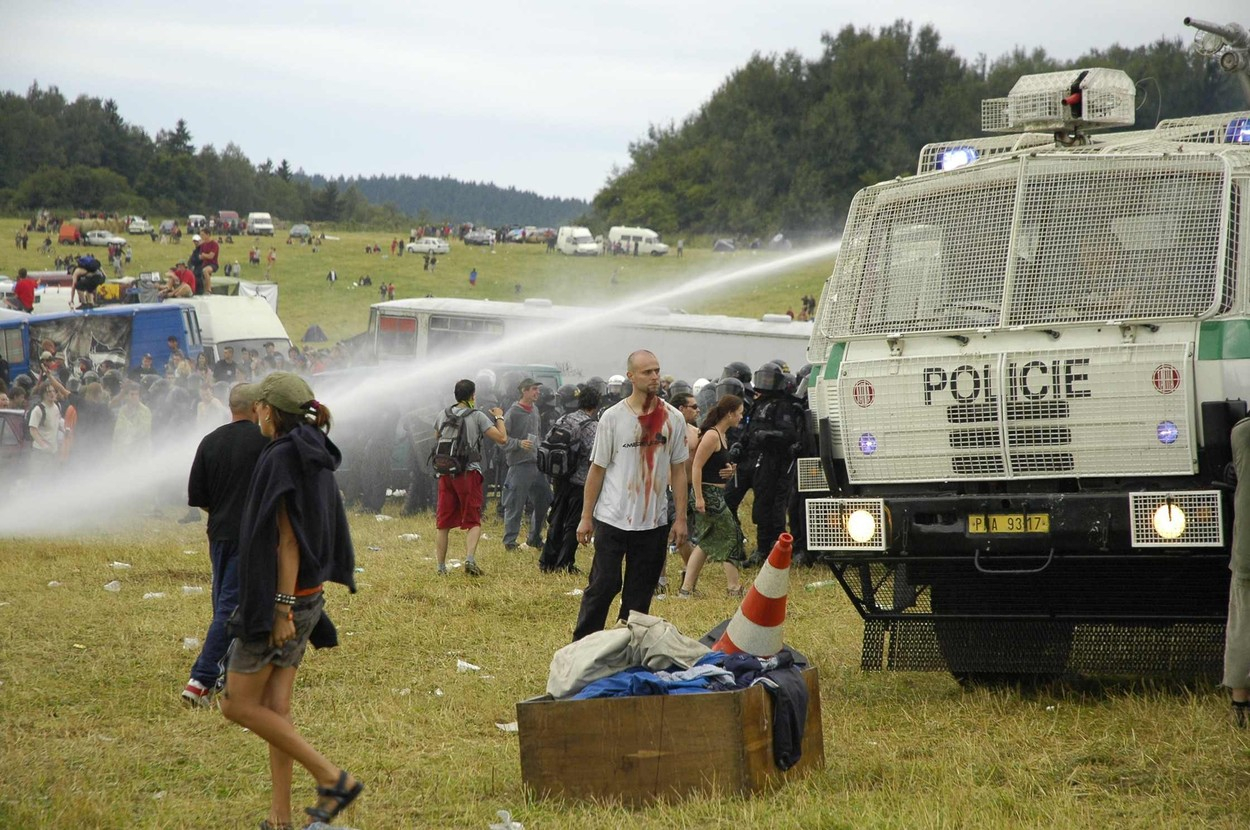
1034,585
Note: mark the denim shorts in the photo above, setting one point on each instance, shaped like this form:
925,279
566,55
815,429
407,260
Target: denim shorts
250,656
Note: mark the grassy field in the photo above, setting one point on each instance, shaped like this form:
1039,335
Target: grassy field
305,297
92,734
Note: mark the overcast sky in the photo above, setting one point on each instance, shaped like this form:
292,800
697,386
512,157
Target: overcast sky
542,95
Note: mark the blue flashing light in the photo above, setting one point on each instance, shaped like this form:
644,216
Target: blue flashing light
953,158
867,443
1168,432
1238,131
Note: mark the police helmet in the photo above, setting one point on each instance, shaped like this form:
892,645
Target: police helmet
614,385
738,370
699,384
627,388
785,367
679,387
73,385
147,381
706,399
25,381
770,378
790,383
598,384
90,377
800,381
507,386
112,380
567,396
545,395
729,386
485,379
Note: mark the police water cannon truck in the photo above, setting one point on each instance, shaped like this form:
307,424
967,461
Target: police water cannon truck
1030,356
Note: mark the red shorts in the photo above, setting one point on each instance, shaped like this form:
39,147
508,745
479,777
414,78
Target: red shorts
460,501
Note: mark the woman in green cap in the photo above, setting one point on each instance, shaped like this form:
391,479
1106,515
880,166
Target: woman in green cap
293,539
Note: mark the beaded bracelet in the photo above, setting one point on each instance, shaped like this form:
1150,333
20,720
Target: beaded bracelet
284,599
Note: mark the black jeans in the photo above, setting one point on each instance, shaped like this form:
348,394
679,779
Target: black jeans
643,552
560,550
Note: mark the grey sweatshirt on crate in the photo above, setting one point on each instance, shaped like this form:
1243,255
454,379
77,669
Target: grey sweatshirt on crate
519,425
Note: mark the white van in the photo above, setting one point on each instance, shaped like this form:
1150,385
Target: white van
241,322
648,241
576,241
259,224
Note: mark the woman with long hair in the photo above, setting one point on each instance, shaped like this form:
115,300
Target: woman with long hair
293,538
202,367
716,534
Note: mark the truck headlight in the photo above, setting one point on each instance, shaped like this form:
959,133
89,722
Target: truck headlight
1169,521
861,526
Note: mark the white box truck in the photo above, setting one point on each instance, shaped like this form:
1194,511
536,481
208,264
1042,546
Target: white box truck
259,224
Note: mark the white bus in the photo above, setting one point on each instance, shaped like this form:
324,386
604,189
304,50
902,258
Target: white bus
582,342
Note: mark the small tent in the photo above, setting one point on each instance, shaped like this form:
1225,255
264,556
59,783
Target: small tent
723,246
314,335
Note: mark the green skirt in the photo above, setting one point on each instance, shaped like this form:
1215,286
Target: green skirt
716,530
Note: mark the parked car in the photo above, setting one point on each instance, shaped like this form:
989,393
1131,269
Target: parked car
196,222
167,227
428,245
103,238
139,225
480,236
228,222
259,224
540,235
300,231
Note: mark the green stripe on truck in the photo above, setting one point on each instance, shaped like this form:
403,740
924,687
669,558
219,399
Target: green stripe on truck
1224,340
835,361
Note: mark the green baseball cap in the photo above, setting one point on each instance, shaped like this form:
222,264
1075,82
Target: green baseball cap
286,391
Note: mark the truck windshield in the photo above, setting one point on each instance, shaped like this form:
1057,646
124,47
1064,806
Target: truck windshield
1034,242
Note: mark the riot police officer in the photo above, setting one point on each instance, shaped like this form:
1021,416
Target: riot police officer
773,437
807,449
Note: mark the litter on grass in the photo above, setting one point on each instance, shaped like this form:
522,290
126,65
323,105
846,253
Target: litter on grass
54,584
505,822
438,693
190,552
192,590
374,547
462,666
113,586
506,727
121,566
576,592
154,595
382,517
190,643
410,537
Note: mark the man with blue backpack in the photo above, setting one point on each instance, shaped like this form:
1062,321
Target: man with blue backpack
88,276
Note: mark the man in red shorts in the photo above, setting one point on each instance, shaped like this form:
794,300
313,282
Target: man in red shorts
204,263
460,494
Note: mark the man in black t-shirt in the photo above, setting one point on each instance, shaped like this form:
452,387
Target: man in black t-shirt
226,370
218,483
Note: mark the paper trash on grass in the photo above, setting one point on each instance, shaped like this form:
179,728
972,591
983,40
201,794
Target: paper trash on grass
505,822
462,666
410,537
113,586
382,517
121,566
576,592
190,552
54,584
374,547
506,727
190,643
154,595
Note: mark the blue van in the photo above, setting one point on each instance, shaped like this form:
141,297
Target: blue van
122,333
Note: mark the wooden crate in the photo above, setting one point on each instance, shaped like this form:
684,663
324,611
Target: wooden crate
639,749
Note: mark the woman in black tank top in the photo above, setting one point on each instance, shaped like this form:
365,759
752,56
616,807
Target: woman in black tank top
716,534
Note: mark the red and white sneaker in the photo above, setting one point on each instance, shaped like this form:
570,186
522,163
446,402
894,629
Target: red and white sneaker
196,695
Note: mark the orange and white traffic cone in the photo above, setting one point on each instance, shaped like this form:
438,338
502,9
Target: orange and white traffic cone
756,628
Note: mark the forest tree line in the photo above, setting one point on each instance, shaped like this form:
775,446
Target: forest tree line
783,144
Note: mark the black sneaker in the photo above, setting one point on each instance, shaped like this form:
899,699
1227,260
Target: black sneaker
472,569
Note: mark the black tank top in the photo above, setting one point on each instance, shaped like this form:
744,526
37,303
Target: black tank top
716,462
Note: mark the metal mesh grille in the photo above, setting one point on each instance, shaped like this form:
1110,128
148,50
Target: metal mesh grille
1193,650
1036,102
827,524
812,476
994,116
1147,242
1099,237
931,155
1045,414
1203,518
